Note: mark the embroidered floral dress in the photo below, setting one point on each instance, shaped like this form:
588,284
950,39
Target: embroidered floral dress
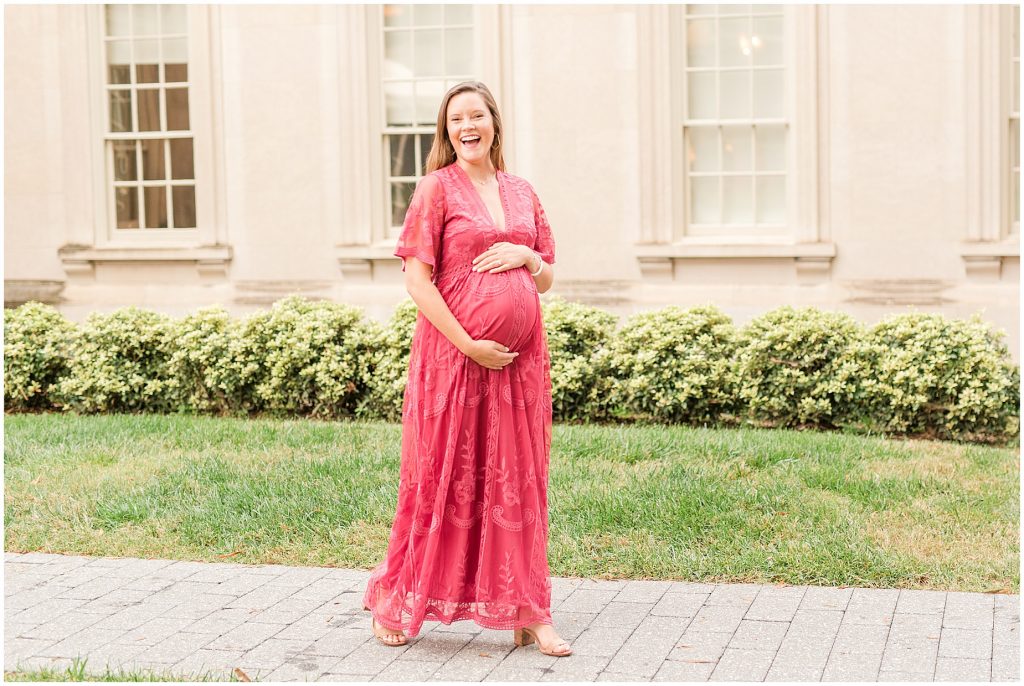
469,538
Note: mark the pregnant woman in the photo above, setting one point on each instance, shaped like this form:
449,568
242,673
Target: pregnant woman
469,538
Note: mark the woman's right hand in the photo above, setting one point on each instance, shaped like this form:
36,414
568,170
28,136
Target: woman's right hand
490,354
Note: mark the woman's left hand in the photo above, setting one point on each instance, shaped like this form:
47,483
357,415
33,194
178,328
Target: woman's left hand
502,256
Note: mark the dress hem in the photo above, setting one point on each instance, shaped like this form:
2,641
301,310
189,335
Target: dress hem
484,622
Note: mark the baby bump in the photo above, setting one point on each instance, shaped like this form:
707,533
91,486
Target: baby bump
502,307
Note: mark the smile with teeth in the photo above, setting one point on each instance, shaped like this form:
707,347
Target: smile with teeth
470,141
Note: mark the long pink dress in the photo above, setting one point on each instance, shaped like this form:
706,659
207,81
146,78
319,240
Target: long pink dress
469,538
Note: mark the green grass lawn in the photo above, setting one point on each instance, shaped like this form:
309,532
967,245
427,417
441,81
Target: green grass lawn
76,672
642,502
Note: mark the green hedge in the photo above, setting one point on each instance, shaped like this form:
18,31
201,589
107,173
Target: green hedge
910,374
118,363
669,365
214,366
933,375
797,368
576,334
37,345
391,365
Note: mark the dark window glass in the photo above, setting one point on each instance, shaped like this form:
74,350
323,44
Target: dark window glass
184,207
153,160
401,193
120,111
176,72
149,109
125,168
177,109
403,155
147,73
127,201
181,159
156,207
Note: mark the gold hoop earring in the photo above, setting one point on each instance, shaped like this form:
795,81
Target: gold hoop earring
496,141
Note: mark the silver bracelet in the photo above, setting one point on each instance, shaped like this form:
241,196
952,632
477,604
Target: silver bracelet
541,267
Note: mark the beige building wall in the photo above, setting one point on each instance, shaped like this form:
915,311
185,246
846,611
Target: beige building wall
897,162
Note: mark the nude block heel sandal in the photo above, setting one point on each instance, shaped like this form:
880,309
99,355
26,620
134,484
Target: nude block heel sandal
377,631
524,637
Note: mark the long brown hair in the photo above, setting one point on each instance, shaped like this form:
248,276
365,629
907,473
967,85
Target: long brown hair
442,152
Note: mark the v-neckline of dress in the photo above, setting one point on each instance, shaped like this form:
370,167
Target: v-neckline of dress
480,201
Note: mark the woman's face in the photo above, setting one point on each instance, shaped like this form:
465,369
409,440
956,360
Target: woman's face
469,117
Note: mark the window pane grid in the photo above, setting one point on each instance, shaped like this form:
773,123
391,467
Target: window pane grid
734,81
148,139
426,49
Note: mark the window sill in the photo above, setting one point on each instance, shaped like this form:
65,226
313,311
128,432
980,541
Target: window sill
983,260
813,261
80,261
358,262
1009,247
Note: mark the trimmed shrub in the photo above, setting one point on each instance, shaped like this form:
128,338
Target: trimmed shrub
669,365
798,367
37,345
317,357
214,368
575,334
945,378
391,366
915,374
119,364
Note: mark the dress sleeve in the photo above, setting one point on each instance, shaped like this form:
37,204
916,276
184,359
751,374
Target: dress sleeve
545,243
424,220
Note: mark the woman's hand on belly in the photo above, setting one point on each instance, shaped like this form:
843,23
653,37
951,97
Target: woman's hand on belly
490,354
502,256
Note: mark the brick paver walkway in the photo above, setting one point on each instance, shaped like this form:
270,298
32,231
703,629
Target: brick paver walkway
301,623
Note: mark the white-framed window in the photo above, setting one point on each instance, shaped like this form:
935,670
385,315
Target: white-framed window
425,50
1012,119
148,138
734,95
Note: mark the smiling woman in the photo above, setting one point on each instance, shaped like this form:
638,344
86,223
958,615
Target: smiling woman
469,538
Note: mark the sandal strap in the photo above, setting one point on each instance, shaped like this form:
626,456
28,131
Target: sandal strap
384,634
